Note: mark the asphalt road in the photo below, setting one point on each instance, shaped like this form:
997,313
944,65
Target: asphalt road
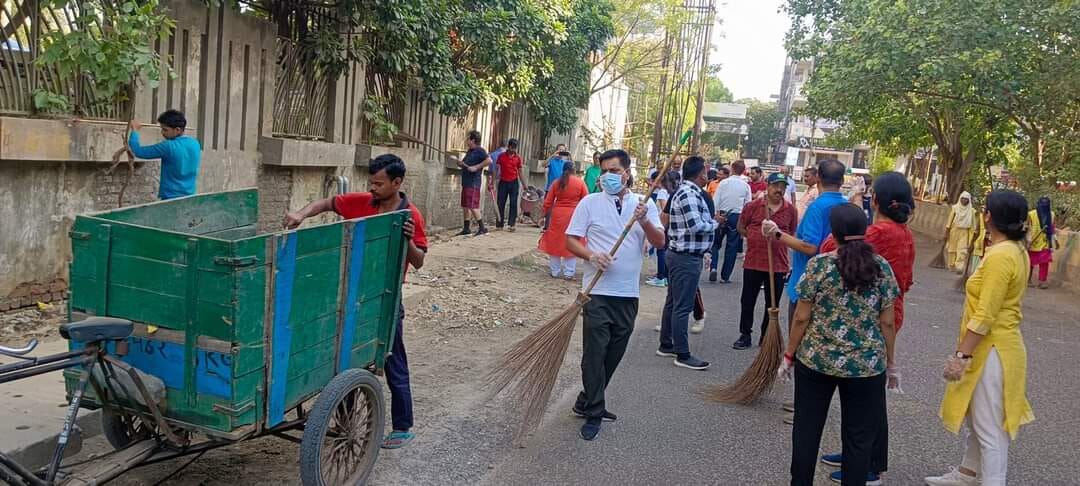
666,434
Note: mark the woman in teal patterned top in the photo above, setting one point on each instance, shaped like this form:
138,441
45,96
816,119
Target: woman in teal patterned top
842,337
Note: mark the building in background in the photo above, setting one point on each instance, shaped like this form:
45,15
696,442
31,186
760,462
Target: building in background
804,136
602,124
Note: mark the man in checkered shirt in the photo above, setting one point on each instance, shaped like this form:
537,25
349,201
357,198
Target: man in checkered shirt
690,237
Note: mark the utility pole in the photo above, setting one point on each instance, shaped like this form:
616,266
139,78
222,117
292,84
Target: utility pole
695,143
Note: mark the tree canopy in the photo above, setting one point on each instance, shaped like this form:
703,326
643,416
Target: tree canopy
965,74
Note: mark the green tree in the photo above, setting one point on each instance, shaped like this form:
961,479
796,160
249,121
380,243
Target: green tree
716,92
110,44
762,118
968,72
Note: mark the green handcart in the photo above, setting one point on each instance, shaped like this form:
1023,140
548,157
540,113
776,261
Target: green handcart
244,334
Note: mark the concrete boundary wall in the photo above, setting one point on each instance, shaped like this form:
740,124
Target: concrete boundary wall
930,220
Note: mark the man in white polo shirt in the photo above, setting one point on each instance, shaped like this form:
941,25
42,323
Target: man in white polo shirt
608,317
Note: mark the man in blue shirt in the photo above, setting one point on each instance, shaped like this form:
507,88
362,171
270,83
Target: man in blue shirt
555,164
179,154
813,228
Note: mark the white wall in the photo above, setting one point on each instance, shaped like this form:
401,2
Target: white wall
605,116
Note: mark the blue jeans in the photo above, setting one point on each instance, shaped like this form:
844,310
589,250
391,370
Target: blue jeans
684,271
728,231
397,379
661,263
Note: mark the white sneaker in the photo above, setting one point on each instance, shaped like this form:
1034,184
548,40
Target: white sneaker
657,328
699,324
953,478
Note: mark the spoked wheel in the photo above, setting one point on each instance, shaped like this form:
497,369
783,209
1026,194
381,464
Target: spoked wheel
343,433
123,429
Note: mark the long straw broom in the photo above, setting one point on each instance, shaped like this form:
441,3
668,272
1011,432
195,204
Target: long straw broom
961,283
759,377
529,369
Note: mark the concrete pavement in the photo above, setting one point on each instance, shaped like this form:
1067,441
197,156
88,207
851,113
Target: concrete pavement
32,413
666,434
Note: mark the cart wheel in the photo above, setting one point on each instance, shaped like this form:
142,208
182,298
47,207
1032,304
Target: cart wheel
122,429
343,432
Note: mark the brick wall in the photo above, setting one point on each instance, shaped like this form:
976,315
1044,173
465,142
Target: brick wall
28,294
142,188
275,190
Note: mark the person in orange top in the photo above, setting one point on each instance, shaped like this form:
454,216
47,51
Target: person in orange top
562,198
714,180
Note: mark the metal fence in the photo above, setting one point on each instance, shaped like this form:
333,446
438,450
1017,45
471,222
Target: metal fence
23,24
301,94
303,87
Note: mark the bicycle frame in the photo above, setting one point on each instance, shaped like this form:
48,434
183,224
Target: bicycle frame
28,367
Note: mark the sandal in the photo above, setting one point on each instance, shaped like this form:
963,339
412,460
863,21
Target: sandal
398,439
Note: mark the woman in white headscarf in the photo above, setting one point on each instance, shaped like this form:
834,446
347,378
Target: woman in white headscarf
959,228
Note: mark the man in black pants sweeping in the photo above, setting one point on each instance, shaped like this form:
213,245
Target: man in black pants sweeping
756,263
608,317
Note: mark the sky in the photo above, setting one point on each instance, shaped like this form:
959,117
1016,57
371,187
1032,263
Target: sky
750,47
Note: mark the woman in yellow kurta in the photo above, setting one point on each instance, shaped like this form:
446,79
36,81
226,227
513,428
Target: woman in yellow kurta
987,374
961,221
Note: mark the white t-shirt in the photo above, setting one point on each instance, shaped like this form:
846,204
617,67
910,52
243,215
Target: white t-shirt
662,194
597,220
731,195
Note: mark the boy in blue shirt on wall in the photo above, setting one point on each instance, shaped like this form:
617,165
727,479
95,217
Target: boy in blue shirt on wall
179,154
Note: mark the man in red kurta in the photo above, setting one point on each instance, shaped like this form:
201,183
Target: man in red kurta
384,195
756,262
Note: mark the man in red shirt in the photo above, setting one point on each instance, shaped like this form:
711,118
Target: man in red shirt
756,262
384,186
511,180
757,182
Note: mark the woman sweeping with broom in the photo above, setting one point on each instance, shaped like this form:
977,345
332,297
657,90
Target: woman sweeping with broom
843,336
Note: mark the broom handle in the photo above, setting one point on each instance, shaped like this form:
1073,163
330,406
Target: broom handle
768,247
630,224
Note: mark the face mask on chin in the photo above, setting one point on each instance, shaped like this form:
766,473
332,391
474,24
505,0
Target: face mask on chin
612,183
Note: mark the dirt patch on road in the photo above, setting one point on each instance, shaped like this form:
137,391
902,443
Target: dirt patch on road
17,327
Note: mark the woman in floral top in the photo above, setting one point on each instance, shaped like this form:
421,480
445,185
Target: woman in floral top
842,337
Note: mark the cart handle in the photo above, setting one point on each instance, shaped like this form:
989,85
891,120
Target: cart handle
19,352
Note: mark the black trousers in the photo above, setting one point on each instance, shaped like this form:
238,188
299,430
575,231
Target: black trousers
862,404
606,326
753,281
508,190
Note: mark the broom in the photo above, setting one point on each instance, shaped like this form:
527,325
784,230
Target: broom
939,260
529,369
961,283
759,377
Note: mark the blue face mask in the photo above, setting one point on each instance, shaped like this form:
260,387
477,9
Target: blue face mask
612,183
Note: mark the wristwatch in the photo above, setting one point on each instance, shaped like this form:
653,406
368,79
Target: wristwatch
962,355
779,234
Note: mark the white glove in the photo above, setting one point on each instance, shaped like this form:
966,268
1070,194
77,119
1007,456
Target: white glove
892,381
769,228
858,186
785,370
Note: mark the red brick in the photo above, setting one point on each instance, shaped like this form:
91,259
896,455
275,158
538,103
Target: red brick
20,291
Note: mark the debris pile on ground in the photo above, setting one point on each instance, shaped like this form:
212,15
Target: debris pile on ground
38,321
477,297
